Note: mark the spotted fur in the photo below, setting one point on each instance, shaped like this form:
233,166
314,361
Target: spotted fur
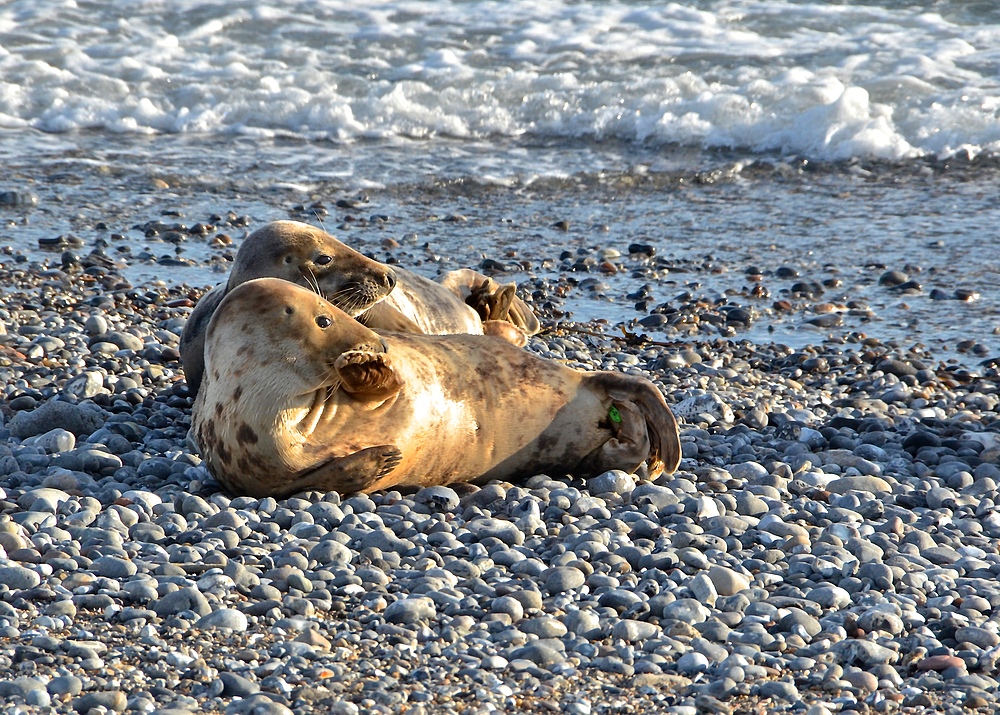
329,404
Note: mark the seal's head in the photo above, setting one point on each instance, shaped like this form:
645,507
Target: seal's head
286,331
303,254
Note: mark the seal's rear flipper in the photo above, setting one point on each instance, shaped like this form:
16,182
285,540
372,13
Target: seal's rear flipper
521,315
661,427
664,436
505,331
629,447
491,300
357,472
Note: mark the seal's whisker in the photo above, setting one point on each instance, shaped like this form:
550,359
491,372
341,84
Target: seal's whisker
353,302
344,294
334,381
311,281
351,305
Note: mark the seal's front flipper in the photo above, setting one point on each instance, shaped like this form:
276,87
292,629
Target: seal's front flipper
192,345
367,375
357,472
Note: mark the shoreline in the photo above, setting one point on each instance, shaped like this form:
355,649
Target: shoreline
829,543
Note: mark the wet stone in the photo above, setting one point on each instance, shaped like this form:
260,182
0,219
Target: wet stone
615,482
331,552
977,636
875,485
779,690
634,631
439,499
21,688
54,441
543,627
539,653
832,597
865,682
65,685
583,623
692,662
78,419
726,581
505,531
941,663
610,664
686,610
113,567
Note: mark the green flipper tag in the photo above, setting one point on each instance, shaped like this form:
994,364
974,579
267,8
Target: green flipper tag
615,415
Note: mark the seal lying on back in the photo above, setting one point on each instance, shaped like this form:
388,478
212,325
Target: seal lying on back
382,297
298,395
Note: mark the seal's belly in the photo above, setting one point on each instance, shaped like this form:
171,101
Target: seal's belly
463,414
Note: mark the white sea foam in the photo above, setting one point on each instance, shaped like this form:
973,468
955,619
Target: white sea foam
820,80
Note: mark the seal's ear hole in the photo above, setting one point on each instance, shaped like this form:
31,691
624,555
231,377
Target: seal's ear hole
289,310
324,321
323,260
288,259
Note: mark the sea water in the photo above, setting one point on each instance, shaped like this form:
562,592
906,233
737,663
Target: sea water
834,138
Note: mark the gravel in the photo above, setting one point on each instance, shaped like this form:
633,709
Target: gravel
829,543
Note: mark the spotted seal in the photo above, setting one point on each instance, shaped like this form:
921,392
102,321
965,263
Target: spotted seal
298,395
383,297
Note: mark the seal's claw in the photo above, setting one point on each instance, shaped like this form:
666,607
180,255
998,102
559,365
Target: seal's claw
391,457
355,472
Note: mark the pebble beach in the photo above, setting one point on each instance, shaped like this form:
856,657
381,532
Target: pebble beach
782,212
829,543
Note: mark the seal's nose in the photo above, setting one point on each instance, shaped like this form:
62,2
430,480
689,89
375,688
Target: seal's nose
390,280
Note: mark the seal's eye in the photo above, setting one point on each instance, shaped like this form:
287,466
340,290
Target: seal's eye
324,321
323,260
289,310
288,259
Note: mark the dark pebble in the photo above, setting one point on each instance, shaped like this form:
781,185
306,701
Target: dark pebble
893,278
18,198
237,686
24,402
642,248
114,700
